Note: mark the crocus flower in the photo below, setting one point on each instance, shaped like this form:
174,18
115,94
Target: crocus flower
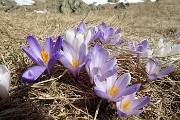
114,89
73,58
4,81
109,36
97,63
154,71
130,106
136,47
44,58
76,37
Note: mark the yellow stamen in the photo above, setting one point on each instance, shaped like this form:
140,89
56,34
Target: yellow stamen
74,63
85,34
155,72
113,91
45,56
126,105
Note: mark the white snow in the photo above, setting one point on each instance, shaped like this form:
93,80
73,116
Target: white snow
97,2
24,2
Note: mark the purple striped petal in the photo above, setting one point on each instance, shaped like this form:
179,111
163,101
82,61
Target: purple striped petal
31,55
118,31
140,103
32,73
35,46
81,28
150,66
100,93
152,77
135,112
66,63
58,44
82,54
121,114
166,71
130,90
48,47
68,48
145,44
102,26
109,33
51,63
123,81
108,74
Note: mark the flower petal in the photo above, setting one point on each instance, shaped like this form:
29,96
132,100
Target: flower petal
35,46
166,71
139,103
130,90
4,81
108,73
58,45
81,28
123,81
67,64
121,114
31,55
69,35
51,63
100,93
49,46
135,112
32,73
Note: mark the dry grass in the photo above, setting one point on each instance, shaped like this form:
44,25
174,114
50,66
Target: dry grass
61,98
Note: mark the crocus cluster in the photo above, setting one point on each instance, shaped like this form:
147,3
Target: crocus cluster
74,52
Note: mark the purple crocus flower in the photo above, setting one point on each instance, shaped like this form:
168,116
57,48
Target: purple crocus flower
154,72
128,106
73,58
114,89
136,47
97,63
44,58
108,35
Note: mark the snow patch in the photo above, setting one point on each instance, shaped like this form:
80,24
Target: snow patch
24,2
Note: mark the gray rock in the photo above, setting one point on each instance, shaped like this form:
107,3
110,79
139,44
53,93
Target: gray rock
113,1
120,5
7,5
77,6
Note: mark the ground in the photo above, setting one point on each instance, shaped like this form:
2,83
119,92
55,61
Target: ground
60,97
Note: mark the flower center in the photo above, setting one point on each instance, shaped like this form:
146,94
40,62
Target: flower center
74,63
45,56
126,105
155,72
113,91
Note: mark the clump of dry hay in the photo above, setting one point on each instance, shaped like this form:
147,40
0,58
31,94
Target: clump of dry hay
62,98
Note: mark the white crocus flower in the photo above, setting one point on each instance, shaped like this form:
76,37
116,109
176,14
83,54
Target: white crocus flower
166,49
4,81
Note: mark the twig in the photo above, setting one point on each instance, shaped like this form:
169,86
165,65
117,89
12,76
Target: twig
97,110
79,110
53,79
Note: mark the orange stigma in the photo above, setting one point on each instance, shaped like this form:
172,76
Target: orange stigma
74,63
113,91
45,56
155,72
126,105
